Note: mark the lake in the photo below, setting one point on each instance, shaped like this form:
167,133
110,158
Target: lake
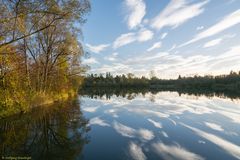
138,126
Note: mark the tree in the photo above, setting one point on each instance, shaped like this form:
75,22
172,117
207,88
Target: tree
19,18
39,47
152,74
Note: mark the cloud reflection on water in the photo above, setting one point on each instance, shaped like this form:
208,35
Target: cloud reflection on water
156,124
229,147
214,126
168,104
152,122
174,152
136,152
98,121
126,131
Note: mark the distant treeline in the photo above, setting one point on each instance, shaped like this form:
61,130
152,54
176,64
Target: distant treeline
221,83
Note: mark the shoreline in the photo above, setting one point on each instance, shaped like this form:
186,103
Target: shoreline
39,100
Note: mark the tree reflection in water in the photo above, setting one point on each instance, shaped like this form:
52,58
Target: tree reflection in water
131,93
54,132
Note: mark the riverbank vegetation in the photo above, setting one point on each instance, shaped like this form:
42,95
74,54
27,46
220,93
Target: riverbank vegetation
39,51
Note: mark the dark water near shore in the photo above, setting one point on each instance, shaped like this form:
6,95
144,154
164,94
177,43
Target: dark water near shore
163,125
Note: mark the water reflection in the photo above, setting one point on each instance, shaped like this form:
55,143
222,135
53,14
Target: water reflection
131,93
139,126
51,132
174,152
136,151
229,147
163,125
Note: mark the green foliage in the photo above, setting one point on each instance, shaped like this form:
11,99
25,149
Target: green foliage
39,52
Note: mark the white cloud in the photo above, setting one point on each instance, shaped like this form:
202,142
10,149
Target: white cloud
124,39
199,28
118,68
136,152
156,124
174,152
115,54
144,35
214,126
176,13
229,147
164,35
155,46
212,43
127,38
167,65
97,48
145,21
137,10
90,61
111,57
98,121
172,48
227,22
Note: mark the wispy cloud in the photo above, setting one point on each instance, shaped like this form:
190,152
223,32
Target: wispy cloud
118,68
164,35
90,61
155,46
228,21
127,38
124,39
136,12
144,35
112,57
167,65
212,43
176,13
172,48
97,48
199,28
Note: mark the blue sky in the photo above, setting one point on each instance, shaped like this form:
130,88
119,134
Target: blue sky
170,37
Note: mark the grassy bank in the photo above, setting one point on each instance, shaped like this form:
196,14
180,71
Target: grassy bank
24,104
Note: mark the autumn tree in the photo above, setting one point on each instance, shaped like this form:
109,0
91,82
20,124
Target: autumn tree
39,45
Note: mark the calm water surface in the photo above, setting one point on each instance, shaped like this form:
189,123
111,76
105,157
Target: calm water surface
139,127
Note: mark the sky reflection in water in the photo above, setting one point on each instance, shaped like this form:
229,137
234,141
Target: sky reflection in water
162,126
